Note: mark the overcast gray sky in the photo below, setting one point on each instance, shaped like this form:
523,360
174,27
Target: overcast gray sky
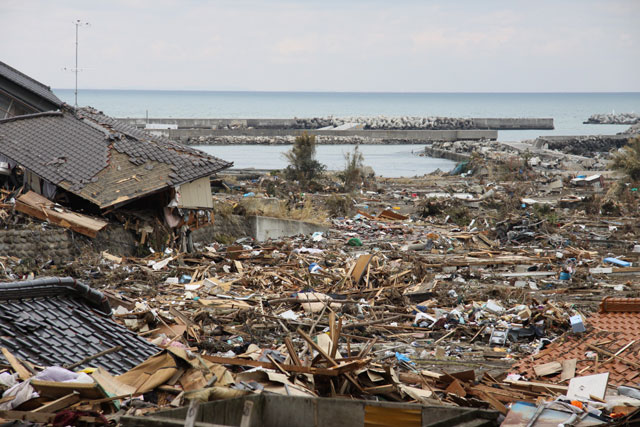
328,45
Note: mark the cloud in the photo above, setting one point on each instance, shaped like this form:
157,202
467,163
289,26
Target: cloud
328,45
462,42
295,46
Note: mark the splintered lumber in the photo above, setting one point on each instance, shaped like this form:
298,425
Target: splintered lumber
23,372
94,356
568,369
44,209
360,267
61,403
538,387
269,365
547,369
491,400
55,390
610,354
327,357
373,322
389,214
499,260
292,351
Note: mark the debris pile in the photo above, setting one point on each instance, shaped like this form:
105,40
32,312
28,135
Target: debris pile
411,298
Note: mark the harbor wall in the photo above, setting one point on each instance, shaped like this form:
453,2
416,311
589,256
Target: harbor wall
402,135
204,123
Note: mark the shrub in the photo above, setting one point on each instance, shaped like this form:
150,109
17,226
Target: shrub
340,206
303,167
353,173
627,159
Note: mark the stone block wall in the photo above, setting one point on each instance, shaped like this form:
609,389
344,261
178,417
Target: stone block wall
38,244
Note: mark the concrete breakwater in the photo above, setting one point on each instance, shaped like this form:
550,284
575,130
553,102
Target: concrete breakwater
367,123
327,137
614,119
430,123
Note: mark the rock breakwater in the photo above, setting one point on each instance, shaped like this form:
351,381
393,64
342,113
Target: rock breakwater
588,146
614,119
387,123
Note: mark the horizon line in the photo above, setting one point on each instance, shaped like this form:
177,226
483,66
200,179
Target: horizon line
354,92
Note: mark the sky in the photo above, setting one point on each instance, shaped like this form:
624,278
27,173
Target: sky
328,45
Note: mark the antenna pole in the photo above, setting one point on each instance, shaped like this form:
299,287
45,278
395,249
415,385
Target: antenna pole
76,91
77,23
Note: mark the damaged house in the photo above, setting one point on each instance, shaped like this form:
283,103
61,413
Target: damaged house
92,163
79,156
20,94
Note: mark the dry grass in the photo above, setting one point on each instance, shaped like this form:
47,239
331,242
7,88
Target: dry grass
279,209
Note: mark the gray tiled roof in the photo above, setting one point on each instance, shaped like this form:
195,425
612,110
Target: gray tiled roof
187,163
28,83
59,321
56,146
73,152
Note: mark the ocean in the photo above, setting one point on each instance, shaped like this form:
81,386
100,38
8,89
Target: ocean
569,111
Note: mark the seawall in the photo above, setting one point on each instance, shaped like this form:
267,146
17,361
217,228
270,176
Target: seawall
208,136
505,123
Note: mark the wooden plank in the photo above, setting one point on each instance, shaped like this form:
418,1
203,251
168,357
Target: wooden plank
40,207
94,356
610,354
360,267
292,351
326,356
547,369
6,399
389,214
61,403
539,387
350,366
456,388
492,401
23,372
381,389
268,365
54,390
335,337
568,369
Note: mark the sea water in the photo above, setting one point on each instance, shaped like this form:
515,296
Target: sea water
569,111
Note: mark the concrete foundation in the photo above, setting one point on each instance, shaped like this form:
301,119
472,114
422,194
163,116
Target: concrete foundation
264,227
259,227
276,410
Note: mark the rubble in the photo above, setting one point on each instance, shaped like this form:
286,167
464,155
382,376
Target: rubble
413,298
502,292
